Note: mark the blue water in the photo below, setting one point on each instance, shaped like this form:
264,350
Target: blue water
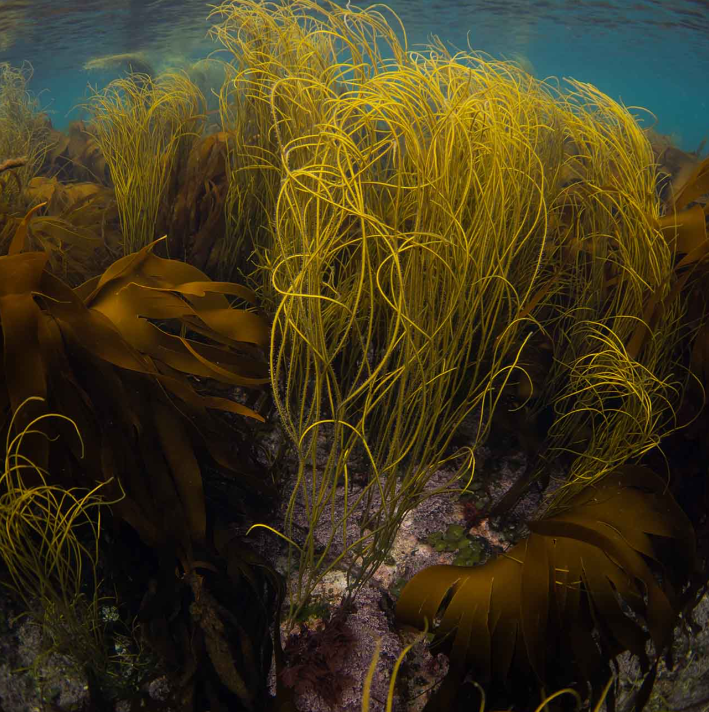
648,53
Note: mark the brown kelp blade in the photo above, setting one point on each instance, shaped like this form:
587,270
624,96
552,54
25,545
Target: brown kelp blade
696,184
95,352
562,586
142,286
684,229
23,370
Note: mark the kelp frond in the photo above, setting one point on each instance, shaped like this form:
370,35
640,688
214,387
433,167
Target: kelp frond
127,358
556,607
142,125
23,133
429,215
117,352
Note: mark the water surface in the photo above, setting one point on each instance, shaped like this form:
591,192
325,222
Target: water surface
650,53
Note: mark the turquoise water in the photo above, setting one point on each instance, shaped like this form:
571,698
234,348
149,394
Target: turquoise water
645,53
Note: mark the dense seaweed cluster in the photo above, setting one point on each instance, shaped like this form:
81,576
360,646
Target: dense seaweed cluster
428,240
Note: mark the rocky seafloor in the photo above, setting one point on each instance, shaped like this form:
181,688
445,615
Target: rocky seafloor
327,665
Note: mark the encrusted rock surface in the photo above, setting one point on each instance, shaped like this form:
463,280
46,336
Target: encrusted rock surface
55,685
29,681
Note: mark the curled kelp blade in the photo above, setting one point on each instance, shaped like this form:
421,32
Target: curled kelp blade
146,429
694,186
77,226
142,286
121,379
23,370
684,229
197,216
561,588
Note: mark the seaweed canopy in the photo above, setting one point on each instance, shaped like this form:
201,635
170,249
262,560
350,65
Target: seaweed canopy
23,133
432,214
407,246
613,317
271,42
613,384
142,127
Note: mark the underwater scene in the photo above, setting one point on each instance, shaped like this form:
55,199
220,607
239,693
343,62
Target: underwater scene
354,357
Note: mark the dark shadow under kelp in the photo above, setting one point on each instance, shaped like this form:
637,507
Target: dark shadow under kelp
94,355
